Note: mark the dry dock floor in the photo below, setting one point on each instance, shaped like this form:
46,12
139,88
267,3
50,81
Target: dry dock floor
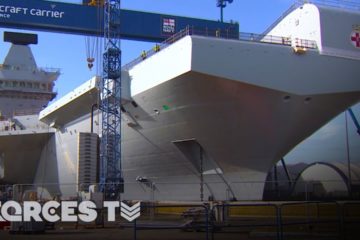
112,233
118,234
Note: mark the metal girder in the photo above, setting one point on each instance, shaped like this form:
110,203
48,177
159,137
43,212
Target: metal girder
83,19
110,146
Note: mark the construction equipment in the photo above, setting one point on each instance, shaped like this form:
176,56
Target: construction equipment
110,147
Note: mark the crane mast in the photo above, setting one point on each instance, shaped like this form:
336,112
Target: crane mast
111,178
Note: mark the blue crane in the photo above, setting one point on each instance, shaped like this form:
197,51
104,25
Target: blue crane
110,146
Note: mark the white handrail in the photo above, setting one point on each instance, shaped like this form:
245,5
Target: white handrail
346,4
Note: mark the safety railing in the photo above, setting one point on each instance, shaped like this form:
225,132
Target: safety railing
191,219
345,4
45,70
223,34
209,219
281,220
234,218
312,218
289,10
348,4
349,218
24,112
212,191
157,48
17,122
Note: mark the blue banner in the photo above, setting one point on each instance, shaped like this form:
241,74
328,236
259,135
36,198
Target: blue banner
53,16
88,20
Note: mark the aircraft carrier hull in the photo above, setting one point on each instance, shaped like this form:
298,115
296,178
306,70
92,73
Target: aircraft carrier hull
217,123
207,117
20,155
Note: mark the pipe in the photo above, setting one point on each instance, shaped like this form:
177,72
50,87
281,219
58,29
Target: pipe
287,172
352,115
92,117
349,182
98,147
276,181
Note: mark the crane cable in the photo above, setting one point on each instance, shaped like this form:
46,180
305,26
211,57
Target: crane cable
90,50
93,44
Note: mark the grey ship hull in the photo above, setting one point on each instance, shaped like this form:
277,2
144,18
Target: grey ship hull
228,109
244,120
20,155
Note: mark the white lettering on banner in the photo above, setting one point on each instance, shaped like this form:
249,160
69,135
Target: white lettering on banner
11,217
49,211
1,219
10,9
46,13
66,211
5,12
4,15
88,212
111,206
32,210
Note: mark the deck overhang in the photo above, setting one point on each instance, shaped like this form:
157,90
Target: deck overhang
72,106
